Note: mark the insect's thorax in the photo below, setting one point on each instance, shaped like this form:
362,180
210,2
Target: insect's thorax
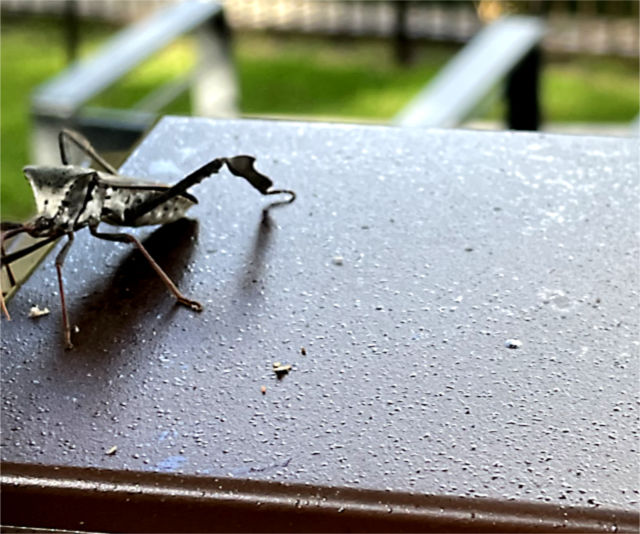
69,198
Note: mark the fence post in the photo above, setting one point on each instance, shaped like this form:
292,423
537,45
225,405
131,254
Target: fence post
522,93
71,29
402,45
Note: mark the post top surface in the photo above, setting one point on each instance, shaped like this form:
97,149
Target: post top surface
459,310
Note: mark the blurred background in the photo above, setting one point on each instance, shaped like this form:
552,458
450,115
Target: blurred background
348,61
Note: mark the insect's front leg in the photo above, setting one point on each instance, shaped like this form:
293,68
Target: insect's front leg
12,281
59,262
128,238
8,229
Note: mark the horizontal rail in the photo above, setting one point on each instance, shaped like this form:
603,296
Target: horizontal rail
66,93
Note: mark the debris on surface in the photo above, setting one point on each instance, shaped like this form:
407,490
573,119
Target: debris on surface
36,312
338,260
263,389
281,369
112,450
303,351
513,343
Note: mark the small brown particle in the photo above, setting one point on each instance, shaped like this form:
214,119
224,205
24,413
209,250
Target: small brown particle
282,370
263,389
303,351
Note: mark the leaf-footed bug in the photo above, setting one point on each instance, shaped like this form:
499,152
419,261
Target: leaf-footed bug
69,198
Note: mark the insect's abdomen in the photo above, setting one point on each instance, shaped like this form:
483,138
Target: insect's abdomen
118,201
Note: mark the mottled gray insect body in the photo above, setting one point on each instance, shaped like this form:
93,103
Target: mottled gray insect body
69,198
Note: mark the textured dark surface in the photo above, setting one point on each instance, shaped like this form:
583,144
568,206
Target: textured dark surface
408,263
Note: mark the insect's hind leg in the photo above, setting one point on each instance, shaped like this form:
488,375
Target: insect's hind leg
128,238
59,262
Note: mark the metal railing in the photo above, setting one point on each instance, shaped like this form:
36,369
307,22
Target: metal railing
63,101
507,50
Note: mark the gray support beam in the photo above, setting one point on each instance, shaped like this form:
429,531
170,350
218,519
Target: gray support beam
488,58
66,93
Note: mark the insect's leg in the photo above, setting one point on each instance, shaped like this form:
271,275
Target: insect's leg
3,253
177,189
59,262
292,196
128,238
3,307
242,166
10,258
12,281
83,144
8,229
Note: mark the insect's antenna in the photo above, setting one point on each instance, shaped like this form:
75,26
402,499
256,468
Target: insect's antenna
14,256
5,226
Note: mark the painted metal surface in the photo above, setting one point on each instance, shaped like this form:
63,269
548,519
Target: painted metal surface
459,310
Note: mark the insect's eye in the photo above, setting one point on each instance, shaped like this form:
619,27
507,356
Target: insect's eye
42,223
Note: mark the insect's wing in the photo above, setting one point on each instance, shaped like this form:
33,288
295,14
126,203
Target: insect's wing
75,149
124,195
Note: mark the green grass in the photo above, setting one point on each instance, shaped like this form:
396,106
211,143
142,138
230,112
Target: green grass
305,77
591,90
357,80
23,65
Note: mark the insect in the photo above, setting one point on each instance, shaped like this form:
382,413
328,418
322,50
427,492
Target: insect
69,198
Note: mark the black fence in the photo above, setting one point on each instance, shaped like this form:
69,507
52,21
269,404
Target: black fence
586,26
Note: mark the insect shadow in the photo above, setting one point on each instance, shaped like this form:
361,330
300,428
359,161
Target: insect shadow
133,289
253,273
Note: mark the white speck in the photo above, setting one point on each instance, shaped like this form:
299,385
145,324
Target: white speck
36,312
338,260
